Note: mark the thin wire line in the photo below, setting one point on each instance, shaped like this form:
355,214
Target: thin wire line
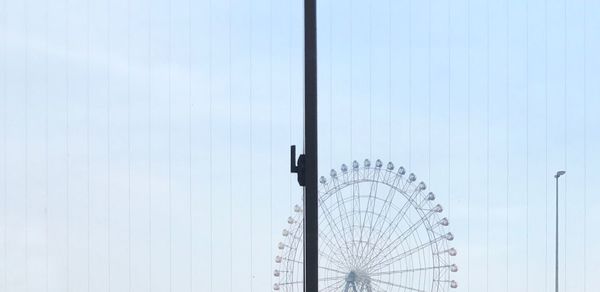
429,92
487,175
230,159
149,36
330,83
390,79
210,139
565,146
290,21
449,106
129,141
4,129
46,135
351,78
409,84
527,145
370,80
67,181
546,135
251,95
584,145
468,145
190,210
507,141
108,140
26,132
87,134
271,125
169,82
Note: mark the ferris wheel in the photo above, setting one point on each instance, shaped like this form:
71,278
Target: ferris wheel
379,230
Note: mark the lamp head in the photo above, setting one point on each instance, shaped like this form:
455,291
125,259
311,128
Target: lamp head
559,173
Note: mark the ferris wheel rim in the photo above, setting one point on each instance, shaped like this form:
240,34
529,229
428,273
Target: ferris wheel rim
377,176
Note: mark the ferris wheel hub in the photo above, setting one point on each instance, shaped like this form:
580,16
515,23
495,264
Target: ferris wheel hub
357,281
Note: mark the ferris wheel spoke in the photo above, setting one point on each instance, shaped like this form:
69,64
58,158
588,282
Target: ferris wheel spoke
398,218
372,187
355,205
324,279
378,288
372,195
387,202
333,286
370,209
331,224
336,262
409,270
397,285
403,210
344,215
329,279
328,243
386,206
352,231
332,270
387,261
339,264
384,252
290,283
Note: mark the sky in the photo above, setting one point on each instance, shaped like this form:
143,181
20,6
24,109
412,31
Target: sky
145,143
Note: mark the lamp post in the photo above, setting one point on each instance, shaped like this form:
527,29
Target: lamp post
311,189
556,176
306,166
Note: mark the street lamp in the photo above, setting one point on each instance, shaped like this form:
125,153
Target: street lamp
307,164
556,176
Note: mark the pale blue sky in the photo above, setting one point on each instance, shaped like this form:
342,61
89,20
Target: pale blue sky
146,143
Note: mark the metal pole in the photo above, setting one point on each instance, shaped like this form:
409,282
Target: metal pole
311,231
556,240
558,174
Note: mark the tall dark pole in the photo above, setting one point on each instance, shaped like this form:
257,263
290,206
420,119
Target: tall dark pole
311,231
558,174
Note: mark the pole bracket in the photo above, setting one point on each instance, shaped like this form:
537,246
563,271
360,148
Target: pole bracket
298,167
